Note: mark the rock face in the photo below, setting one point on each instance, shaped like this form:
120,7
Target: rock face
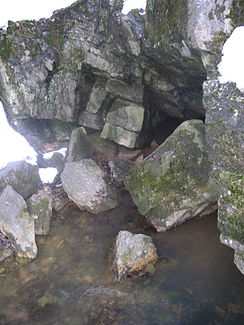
86,185
73,68
224,125
132,253
23,177
40,208
173,183
224,105
17,224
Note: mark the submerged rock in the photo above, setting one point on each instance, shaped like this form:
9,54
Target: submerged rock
86,185
40,207
132,253
16,223
23,177
173,184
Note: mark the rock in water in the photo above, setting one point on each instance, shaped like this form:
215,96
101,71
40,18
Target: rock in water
173,183
40,207
132,253
85,184
16,223
23,177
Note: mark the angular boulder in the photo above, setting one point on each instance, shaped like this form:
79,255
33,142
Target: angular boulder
40,207
16,223
173,184
132,253
86,185
23,177
79,147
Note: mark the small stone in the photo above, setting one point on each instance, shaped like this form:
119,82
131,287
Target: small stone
132,253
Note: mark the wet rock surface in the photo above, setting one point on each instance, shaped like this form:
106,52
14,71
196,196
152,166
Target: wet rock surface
17,224
132,253
173,184
86,185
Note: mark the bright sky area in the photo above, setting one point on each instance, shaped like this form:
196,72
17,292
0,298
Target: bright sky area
13,146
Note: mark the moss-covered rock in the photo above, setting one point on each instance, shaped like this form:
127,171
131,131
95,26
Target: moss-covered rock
173,183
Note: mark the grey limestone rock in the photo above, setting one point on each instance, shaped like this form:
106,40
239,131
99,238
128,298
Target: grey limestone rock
224,104
124,123
23,177
132,253
173,184
79,147
16,223
40,208
86,185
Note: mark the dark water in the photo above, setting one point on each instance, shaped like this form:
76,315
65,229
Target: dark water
194,283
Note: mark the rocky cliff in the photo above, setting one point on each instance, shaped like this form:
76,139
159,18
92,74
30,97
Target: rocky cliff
88,61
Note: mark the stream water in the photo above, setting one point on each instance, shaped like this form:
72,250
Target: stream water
70,282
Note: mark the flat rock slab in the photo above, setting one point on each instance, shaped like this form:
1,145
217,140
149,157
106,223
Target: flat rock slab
86,185
132,253
16,223
23,177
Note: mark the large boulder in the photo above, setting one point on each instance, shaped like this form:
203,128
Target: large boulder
23,177
40,207
132,253
16,223
86,185
173,184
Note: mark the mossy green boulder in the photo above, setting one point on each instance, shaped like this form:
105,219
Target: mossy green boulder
173,184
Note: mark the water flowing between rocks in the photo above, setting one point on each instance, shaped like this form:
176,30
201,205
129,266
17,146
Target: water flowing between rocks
71,282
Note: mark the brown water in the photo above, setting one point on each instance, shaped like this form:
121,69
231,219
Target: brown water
195,281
